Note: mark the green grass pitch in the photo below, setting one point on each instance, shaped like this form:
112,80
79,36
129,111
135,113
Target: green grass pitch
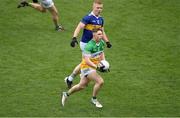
145,60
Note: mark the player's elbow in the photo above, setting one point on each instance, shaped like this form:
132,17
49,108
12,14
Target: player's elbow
81,25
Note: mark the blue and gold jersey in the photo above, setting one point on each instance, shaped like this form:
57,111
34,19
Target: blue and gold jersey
91,22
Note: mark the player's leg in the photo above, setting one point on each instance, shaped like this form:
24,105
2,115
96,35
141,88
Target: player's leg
37,7
82,84
54,12
98,84
69,79
76,71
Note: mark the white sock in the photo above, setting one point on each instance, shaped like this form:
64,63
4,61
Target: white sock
70,78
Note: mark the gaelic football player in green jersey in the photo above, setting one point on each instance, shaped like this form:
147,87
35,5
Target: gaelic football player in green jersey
92,55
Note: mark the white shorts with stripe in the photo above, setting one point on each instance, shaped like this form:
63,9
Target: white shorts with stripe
86,71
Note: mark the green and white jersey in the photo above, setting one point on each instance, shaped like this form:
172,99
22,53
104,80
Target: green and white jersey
93,50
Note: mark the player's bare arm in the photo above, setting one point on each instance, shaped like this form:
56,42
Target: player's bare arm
76,33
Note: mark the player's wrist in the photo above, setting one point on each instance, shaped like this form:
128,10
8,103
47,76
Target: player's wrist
74,42
109,45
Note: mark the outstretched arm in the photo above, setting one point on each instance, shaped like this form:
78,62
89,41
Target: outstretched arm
105,38
78,29
76,33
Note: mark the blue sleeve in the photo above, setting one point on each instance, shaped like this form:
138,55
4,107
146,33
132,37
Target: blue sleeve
85,19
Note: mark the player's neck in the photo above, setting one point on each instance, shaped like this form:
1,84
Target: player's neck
96,40
96,15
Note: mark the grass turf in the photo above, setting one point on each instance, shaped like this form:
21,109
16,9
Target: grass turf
145,60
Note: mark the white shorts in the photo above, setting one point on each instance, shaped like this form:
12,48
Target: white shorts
47,3
85,72
82,46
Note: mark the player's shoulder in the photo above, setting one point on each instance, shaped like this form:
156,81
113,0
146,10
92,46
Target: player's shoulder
89,46
89,15
91,43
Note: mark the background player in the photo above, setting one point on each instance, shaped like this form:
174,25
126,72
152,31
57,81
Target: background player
43,7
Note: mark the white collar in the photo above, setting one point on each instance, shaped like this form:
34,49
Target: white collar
95,15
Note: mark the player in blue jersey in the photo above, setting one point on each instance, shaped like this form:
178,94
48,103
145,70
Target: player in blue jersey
91,21
43,6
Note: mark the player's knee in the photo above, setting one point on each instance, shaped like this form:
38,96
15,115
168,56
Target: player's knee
56,17
56,14
82,87
101,82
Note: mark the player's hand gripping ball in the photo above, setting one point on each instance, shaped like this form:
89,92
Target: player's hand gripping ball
103,66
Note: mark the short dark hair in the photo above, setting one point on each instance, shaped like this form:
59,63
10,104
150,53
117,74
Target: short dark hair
96,30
